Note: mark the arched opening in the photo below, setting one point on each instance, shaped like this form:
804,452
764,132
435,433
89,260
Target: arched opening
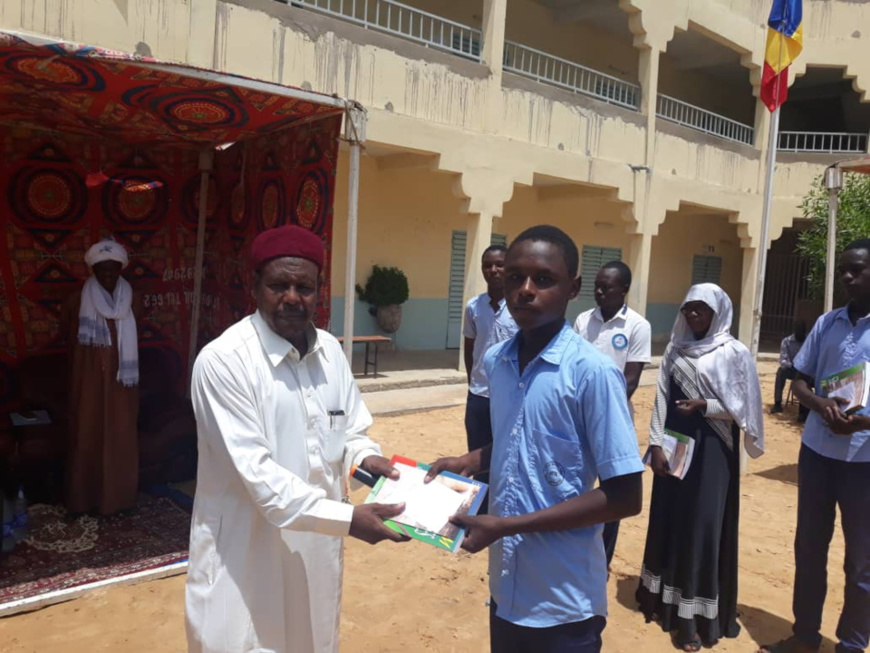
824,113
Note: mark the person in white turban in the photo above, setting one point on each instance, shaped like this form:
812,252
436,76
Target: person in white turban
103,461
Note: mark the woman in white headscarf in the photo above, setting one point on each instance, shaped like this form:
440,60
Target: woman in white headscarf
707,390
103,459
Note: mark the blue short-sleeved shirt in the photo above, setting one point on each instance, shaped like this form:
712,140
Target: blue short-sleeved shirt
835,345
556,428
487,327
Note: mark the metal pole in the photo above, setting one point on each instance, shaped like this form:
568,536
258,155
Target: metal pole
355,132
833,182
765,232
762,254
205,166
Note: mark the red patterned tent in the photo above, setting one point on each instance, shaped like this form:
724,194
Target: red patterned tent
97,142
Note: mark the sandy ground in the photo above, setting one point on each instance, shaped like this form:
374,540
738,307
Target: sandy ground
413,597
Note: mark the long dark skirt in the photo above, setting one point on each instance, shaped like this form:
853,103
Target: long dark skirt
689,577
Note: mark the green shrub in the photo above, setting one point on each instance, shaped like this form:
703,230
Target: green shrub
853,222
385,286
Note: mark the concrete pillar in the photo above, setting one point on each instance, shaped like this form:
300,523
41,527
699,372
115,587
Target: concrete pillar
751,256
479,237
639,260
649,83
492,55
201,33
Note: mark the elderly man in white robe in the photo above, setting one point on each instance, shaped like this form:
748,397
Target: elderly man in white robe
280,423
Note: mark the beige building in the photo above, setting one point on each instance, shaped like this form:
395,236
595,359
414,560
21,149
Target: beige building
631,124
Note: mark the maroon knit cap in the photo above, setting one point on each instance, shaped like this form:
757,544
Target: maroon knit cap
290,240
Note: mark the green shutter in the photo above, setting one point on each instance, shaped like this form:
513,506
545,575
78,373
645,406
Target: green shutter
455,307
593,258
706,269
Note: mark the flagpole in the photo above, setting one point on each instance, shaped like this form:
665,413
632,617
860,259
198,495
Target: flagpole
765,231
772,143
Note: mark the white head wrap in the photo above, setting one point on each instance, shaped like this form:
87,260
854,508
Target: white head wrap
726,370
98,306
719,333
106,250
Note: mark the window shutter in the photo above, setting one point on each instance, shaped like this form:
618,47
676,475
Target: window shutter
706,269
593,258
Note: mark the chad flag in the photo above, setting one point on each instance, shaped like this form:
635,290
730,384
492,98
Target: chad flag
785,40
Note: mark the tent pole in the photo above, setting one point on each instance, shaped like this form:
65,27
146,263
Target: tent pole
355,121
206,159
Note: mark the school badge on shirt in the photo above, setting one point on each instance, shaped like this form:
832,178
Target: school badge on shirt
619,341
554,473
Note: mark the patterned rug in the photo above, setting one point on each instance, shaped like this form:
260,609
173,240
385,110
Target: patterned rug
61,552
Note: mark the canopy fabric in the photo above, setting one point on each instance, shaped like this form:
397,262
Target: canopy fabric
94,142
112,95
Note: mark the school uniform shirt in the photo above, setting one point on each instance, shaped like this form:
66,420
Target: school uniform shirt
557,427
624,338
488,328
788,351
268,518
832,346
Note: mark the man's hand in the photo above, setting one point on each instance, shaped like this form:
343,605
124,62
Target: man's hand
659,461
379,466
483,530
847,424
464,465
831,411
367,523
686,407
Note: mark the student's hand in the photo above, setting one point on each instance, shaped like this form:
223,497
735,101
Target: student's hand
859,423
463,465
659,461
483,530
830,409
686,407
379,466
367,523
852,424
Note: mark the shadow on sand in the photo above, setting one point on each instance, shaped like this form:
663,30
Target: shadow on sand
626,586
767,628
784,474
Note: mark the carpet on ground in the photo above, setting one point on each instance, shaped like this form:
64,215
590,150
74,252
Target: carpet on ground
62,551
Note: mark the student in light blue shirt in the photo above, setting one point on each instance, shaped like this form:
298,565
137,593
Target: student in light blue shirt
560,420
487,323
833,469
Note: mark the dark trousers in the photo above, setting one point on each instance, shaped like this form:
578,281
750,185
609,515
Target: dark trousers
609,534
478,431
824,484
577,637
783,374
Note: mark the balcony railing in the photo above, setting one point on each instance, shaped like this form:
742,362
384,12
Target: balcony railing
401,20
830,142
705,121
546,68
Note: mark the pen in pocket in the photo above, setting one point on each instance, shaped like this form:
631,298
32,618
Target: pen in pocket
332,415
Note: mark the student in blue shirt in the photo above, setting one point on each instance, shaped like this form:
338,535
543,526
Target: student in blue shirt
833,470
560,420
487,323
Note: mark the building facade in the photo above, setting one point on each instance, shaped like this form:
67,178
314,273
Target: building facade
634,125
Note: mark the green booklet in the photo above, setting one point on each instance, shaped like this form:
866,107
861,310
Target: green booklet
679,449
852,384
429,506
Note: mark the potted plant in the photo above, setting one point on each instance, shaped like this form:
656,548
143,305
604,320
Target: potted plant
386,290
